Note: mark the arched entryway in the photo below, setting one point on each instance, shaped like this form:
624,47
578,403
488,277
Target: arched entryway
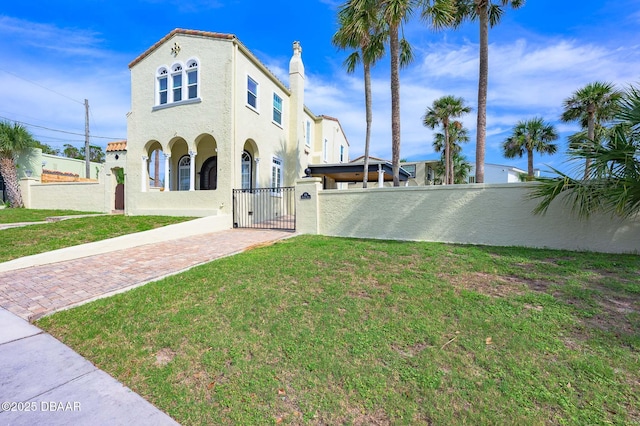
209,174
118,173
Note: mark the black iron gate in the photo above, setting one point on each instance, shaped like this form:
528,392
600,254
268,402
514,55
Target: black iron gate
265,208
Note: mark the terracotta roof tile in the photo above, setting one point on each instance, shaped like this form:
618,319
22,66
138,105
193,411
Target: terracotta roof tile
117,146
210,34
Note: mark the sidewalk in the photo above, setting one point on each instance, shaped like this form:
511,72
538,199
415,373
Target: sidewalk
43,381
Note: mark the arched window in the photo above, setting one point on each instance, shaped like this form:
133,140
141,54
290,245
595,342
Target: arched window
246,170
176,79
192,79
162,78
184,167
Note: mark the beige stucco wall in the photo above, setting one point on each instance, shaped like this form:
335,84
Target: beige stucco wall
203,125
474,214
80,196
219,123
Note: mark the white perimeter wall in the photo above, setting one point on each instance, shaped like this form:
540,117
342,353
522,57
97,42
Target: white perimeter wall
471,214
80,196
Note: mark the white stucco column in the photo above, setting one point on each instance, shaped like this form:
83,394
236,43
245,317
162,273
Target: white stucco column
192,171
167,177
380,176
143,174
257,175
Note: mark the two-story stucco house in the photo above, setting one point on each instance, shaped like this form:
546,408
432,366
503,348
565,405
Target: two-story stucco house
208,117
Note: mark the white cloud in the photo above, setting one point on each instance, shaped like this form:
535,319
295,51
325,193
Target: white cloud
527,79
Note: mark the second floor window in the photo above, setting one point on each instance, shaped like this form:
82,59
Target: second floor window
177,84
252,92
277,109
176,78
163,86
192,80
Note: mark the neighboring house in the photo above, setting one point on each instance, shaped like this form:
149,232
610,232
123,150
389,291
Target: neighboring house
208,117
32,163
499,173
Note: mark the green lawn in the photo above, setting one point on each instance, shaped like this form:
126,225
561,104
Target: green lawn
40,238
33,215
316,330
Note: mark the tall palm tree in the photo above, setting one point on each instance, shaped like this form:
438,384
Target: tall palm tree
613,183
13,139
488,14
440,114
395,13
360,29
591,105
529,136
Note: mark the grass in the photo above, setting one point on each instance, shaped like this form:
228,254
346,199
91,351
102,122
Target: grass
40,238
8,215
317,330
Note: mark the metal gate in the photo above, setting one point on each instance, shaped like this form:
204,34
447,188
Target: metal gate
265,208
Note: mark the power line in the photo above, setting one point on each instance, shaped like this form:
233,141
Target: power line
59,131
41,86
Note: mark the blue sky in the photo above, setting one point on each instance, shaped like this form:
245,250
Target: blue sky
58,53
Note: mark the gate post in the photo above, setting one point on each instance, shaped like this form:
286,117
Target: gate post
307,205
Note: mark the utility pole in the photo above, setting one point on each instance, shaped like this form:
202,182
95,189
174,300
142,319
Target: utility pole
87,150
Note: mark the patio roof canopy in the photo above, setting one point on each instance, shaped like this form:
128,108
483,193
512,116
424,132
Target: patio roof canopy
353,172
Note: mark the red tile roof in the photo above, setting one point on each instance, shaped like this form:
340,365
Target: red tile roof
197,33
117,146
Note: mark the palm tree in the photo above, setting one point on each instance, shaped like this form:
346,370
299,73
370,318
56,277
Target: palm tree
488,14
395,13
441,113
457,135
613,182
591,105
360,29
13,139
461,168
529,136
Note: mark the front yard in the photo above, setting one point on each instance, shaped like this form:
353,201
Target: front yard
316,330
40,238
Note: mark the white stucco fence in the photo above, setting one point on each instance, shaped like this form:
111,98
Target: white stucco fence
79,196
498,215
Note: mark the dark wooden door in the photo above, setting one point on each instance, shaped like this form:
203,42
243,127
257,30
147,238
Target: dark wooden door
119,196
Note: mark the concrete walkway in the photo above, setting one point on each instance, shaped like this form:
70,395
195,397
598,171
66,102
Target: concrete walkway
43,381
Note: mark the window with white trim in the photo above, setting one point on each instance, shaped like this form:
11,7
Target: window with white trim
276,172
192,79
176,82
342,153
308,139
163,86
252,92
246,170
277,109
184,170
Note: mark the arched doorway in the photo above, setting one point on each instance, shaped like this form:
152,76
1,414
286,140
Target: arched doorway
209,174
118,173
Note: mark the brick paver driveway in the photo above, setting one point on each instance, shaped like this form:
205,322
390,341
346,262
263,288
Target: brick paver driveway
33,292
